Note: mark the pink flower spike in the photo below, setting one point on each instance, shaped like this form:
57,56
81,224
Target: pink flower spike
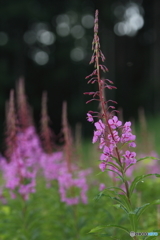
89,117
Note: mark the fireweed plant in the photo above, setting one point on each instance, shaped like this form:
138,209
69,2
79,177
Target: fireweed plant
116,142
28,156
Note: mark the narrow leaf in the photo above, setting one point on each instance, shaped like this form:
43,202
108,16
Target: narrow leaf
122,204
138,179
114,165
116,173
117,188
141,209
96,229
108,226
153,158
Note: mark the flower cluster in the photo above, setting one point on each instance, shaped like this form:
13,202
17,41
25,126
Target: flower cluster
20,173
55,168
120,136
68,187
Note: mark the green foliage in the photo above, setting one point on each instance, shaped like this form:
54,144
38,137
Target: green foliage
108,214
138,179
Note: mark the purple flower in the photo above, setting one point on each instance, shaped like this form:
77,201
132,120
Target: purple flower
106,155
128,136
102,186
132,144
89,117
130,157
115,139
114,122
127,127
103,166
66,182
100,126
96,136
102,143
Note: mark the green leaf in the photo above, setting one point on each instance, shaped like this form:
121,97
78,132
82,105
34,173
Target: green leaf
108,226
122,204
157,230
116,173
93,230
125,200
99,195
116,159
99,173
138,211
138,179
141,159
128,167
132,217
114,165
116,205
117,188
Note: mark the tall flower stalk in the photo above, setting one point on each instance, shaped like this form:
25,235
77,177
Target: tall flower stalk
115,140
46,132
107,126
11,131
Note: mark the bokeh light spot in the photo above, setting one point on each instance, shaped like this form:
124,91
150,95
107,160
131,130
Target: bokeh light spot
77,54
131,19
77,31
63,29
62,18
88,21
41,57
46,37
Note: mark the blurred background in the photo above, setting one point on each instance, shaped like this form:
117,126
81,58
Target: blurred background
49,44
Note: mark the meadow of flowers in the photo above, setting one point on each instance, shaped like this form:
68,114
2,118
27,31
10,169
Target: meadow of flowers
68,188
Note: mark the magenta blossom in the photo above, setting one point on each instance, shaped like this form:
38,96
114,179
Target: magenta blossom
100,126
89,117
114,122
114,139
96,136
130,157
102,186
127,127
107,152
103,166
127,137
102,143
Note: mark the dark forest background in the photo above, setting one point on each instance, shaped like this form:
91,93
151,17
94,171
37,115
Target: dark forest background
48,42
